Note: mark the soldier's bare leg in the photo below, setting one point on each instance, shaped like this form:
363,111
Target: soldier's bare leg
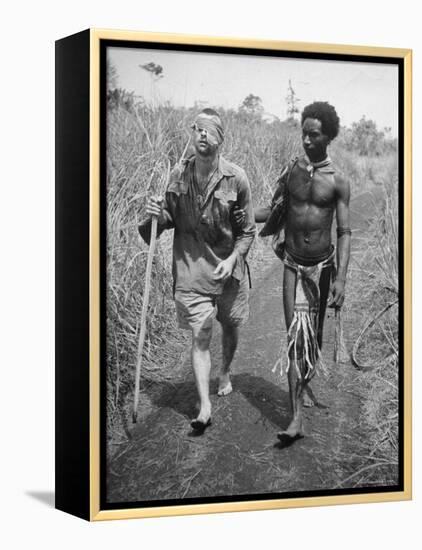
201,363
230,337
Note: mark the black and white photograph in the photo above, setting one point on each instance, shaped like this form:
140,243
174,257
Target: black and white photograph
113,430
252,275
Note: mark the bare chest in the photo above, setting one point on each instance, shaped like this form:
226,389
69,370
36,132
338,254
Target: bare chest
318,190
202,182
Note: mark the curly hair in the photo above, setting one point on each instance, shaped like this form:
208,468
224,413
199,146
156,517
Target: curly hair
323,111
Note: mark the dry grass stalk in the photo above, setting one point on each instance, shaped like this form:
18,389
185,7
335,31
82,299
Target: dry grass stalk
341,354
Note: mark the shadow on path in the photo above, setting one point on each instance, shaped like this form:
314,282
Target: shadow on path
264,396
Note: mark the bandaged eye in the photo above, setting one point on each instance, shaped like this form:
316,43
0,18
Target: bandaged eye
198,129
210,128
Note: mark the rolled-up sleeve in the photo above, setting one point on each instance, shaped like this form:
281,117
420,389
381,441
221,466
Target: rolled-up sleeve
247,232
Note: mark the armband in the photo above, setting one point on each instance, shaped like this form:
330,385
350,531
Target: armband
343,231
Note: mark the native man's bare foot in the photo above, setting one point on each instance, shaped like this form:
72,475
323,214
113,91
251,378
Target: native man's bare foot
294,431
308,400
224,385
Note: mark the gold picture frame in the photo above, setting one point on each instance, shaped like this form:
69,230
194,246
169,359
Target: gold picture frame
79,376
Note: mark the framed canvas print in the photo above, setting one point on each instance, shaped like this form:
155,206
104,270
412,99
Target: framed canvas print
233,274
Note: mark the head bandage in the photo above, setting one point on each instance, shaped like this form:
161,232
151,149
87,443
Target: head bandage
212,125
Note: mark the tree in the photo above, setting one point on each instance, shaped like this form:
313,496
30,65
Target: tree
155,70
292,102
120,98
366,138
252,105
112,76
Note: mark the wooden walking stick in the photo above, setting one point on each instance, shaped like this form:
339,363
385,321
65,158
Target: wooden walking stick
145,303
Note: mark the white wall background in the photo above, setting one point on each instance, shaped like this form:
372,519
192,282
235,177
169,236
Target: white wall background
27,272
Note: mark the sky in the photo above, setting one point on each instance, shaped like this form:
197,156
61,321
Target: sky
355,89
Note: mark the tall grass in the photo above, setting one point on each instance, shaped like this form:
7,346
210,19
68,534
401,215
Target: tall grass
362,172
141,141
373,287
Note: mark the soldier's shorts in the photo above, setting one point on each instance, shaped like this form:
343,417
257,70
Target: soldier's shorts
197,311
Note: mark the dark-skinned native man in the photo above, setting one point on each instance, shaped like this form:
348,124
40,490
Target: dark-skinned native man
308,193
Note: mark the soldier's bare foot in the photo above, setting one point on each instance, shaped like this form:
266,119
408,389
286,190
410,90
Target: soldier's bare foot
200,425
224,385
203,420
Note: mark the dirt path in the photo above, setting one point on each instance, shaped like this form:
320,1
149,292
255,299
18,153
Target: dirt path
240,454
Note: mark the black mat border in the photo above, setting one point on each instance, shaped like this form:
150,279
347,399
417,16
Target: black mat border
399,62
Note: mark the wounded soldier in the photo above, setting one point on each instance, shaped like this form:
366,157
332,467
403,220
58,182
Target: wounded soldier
209,251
